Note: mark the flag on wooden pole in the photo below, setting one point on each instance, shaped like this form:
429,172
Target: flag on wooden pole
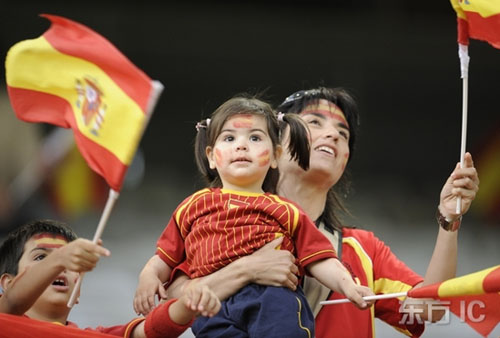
74,78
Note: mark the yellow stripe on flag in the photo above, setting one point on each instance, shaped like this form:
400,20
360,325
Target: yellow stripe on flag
39,67
458,9
485,8
471,284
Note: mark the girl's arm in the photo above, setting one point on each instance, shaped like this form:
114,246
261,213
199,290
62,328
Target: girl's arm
332,274
151,279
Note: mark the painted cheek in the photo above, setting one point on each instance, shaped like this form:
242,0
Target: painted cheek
264,158
218,157
346,158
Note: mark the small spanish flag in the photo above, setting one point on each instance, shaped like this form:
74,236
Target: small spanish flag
73,77
475,298
478,19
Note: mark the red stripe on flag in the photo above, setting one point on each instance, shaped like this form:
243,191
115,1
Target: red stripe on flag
463,31
72,38
26,103
101,160
484,28
491,282
481,312
430,291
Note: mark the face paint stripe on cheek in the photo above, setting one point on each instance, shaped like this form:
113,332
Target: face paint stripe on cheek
346,158
218,157
264,158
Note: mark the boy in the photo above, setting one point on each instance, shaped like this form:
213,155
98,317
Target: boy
41,290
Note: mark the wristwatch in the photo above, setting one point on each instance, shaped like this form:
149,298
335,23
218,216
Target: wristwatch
446,224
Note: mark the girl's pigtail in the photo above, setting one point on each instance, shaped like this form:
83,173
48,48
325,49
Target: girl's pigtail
298,145
200,145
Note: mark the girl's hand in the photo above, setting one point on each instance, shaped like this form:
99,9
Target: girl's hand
200,299
149,286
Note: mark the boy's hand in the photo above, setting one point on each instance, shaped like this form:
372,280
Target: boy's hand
200,299
80,255
144,299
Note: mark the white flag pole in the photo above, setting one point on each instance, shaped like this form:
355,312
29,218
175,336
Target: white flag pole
113,196
157,89
375,297
463,54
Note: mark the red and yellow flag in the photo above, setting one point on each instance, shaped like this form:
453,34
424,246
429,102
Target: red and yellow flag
475,298
478,19
74,78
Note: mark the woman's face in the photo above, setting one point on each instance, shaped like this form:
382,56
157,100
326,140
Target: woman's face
329,143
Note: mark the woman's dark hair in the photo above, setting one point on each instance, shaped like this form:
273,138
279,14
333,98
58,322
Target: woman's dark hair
210,129
13,247
295,104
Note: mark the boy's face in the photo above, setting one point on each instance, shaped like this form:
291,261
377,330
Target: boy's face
36,249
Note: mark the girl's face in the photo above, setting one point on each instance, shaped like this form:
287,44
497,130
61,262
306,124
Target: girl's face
329,132
243,153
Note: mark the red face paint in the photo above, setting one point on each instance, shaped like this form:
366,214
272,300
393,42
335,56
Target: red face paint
243,121
47,240
218,157
263,158
327,109
346,158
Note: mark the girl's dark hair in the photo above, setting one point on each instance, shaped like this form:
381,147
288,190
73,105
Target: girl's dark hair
295,104
209,130
13,247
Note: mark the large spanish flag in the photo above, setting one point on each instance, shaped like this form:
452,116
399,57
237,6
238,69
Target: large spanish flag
475,298
74,78
478,19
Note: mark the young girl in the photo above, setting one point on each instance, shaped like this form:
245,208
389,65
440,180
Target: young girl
237,151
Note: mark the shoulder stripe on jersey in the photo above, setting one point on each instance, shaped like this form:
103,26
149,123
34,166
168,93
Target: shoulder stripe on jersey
367,265
193,196
294,210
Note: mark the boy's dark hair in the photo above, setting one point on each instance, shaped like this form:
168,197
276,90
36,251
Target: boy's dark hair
209,130
12,248
295,104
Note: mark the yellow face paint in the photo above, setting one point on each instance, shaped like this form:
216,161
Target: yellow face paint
47,240
218,157
243,121
327,108
264,158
